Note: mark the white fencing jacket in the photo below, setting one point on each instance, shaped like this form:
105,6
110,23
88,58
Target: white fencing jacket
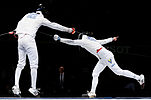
90,44
30,23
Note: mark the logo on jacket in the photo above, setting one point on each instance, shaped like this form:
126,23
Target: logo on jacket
110,61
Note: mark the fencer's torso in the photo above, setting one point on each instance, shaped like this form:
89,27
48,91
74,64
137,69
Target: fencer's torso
92,45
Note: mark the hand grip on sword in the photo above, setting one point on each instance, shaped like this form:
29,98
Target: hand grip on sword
13,33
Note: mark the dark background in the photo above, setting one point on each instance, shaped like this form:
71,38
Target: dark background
128,20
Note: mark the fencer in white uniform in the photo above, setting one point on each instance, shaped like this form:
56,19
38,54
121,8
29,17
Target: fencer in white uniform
105,57
26,31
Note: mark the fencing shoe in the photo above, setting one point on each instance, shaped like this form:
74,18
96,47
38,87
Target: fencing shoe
142,81
91,94
16,91
34,92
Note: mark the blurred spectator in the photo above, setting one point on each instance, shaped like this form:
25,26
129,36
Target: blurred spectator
61,78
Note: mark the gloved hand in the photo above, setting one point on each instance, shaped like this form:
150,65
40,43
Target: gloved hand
115,38
56,37
71,30
13,33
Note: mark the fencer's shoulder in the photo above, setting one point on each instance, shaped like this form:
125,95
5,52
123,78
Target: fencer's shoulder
25,16
29,13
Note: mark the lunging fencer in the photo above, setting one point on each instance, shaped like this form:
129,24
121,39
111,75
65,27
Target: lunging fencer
105,57
26,31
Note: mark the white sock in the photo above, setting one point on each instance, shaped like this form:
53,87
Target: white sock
17,76
94,84
33,77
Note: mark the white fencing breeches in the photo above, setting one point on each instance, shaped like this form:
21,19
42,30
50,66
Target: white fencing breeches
111,63
27,46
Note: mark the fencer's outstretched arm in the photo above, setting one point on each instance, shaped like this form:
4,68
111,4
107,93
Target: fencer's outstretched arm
57,26
67,41
105,41
70,42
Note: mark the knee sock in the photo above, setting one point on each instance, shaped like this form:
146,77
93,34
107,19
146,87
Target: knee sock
17,76
33,77
94,84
